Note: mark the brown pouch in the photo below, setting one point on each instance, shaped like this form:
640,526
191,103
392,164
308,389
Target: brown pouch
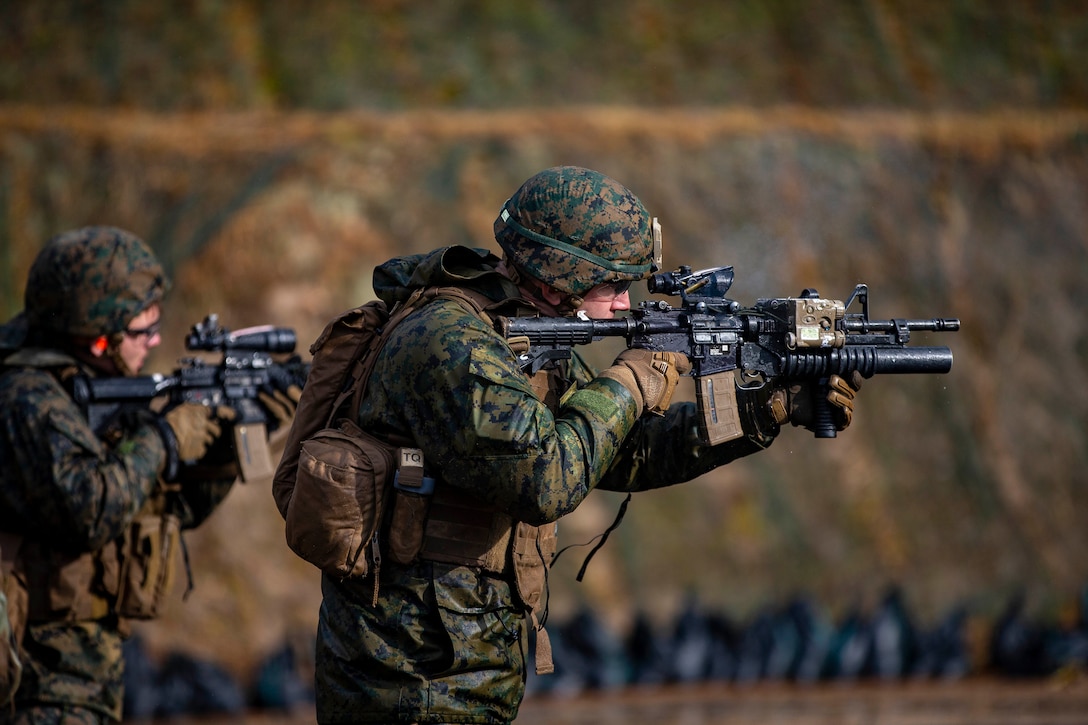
533,551
337,502
147,565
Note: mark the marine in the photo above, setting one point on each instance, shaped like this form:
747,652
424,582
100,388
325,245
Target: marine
438,632
87,520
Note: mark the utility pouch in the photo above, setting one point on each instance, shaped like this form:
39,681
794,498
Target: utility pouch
338,499
147,565
68,588
412,493
533,551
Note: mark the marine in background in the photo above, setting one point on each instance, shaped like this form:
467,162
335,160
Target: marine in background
91,531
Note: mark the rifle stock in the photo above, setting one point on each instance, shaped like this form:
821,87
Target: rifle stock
803,338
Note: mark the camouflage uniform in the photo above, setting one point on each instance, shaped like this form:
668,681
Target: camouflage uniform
444,643
69,494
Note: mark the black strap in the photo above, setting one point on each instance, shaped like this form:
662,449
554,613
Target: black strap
599,538
188,567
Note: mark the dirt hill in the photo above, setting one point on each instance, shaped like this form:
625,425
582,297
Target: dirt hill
962,488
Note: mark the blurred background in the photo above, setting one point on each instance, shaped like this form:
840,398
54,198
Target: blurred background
273,152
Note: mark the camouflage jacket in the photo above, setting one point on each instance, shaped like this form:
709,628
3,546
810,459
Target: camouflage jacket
71,497
59,480
444,643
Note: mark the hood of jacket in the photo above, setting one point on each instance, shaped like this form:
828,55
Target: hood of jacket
459,266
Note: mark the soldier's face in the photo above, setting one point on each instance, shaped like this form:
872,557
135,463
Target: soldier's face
140,336
604,300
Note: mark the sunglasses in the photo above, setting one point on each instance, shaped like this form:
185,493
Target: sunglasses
620,287
148,332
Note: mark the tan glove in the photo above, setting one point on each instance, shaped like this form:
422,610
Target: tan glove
650,376
280,404
795,402
195,427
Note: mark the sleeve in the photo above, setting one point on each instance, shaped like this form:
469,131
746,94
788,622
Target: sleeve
64,483
455,385
664,451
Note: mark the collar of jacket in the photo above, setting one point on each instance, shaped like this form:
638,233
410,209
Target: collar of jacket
458,266
40,357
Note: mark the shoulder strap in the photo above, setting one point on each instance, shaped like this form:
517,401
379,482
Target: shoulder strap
364,365
473,301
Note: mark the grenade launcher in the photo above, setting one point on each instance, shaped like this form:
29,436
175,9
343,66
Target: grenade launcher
782,339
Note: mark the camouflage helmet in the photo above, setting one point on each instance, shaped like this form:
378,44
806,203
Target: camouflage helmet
574,228
91,282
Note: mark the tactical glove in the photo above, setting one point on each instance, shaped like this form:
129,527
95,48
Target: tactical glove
195,427
280,404
651,377
796,401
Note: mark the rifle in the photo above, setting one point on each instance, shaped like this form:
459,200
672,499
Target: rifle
245,369
786,338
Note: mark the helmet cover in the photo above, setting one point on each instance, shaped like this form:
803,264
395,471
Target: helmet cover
92,281
573,228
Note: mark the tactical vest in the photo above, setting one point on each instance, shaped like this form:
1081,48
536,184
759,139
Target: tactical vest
129,578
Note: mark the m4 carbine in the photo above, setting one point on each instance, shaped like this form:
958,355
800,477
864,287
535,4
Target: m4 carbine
245,369
784,339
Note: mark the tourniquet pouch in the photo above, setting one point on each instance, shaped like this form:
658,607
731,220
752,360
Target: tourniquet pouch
411,501
406,526
147,565
337,503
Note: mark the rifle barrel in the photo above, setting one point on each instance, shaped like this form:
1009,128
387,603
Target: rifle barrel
942,324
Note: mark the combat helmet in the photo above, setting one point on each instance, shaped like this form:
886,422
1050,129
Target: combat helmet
574,228
92,282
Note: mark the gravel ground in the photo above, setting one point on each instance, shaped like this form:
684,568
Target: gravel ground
968,702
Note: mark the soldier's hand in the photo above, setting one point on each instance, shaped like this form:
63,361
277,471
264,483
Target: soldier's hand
796,401
195,427
651,377
280,404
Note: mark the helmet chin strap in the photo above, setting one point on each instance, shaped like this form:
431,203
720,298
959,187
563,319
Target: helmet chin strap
533,289
569,306
114,354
